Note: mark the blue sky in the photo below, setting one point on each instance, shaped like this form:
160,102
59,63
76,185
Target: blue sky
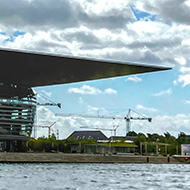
129,94
137,32
141,15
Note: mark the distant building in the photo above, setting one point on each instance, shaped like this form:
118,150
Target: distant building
103,145
125,138
96,135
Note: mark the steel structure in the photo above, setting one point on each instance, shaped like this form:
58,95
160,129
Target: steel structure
22,70
127,118
49,128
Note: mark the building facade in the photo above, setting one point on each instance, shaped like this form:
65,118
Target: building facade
17,112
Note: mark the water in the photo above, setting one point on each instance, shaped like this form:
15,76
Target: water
94,176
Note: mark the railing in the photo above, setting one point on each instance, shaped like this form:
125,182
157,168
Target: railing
16,101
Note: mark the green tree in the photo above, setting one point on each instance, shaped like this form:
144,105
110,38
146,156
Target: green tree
132,133
182,138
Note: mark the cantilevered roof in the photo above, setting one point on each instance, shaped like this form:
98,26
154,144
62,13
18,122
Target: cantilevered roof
39,69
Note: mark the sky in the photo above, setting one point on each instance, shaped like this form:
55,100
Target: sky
148,32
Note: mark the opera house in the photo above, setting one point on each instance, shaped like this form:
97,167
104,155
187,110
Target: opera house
22,70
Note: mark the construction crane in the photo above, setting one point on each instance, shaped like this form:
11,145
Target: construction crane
114,129
127,118
51,103
49,128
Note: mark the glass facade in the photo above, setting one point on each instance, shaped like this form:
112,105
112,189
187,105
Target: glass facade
17,112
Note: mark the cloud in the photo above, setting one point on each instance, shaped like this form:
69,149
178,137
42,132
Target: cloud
184,79
110,91
181,60
97,110
185,70
160,124
187,101
140,107
86,89
93,110
134,79
11,15
165,92
166,10
46,93
65,125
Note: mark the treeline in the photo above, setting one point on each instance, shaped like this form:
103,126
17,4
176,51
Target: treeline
174,144
51,144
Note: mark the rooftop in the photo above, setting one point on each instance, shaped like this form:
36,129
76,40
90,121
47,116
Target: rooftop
96,135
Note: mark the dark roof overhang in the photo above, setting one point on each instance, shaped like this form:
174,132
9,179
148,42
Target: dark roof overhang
33,69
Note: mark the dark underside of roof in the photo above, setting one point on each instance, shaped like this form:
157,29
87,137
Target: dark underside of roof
38,69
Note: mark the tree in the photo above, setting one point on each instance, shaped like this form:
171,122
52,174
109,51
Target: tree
182,138
132,133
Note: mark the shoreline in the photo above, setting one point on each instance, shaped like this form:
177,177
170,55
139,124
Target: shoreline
88,158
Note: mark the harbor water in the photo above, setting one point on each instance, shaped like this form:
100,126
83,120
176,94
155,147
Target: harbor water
94,176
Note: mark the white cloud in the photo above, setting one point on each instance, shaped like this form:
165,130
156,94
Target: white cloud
93,110
97,110
165,92
65,125
187,2
134,79
107,8
86,89
46,93
110,91
164,123
141,107
185,70
181,60
184,79
187,101
175,82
